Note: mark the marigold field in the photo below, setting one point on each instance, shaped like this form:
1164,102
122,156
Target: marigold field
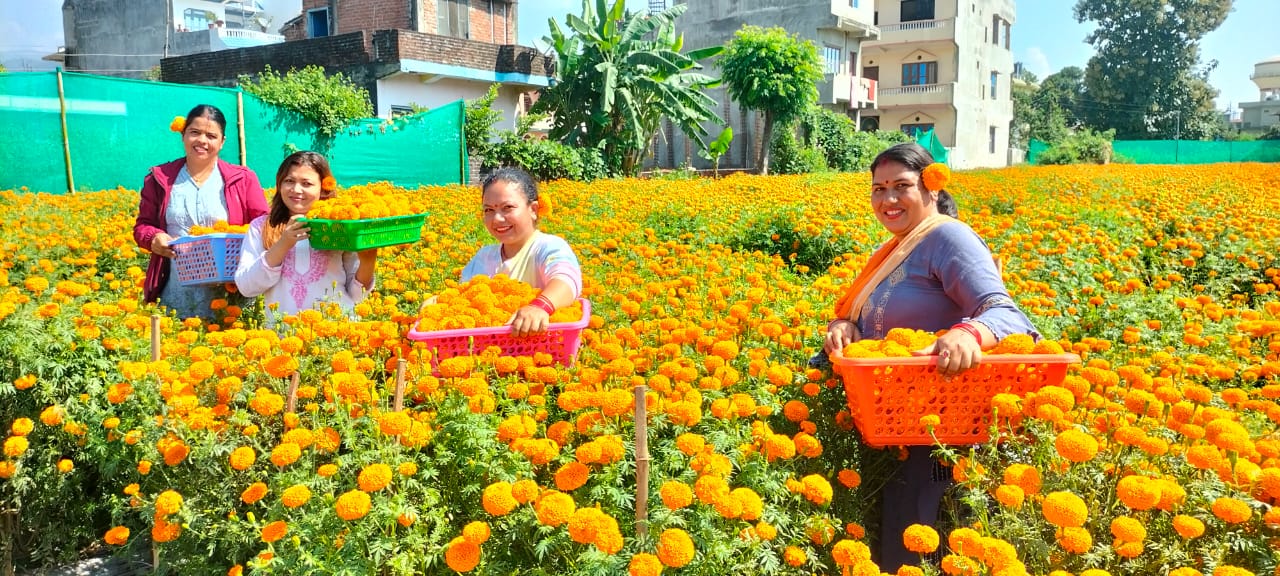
1158,455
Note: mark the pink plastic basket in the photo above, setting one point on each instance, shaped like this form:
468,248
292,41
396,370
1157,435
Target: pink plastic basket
561,340
207,259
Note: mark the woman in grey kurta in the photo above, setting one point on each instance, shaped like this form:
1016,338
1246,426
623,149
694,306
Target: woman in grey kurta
936,274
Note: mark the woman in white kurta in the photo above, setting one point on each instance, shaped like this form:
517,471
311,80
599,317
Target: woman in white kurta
546,262
276,259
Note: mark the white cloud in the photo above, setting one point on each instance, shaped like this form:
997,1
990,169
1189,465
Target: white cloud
1036,62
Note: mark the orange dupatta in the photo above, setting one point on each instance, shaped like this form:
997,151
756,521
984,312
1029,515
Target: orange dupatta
883,262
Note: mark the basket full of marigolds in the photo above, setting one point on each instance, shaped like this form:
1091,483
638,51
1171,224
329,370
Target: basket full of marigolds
364,217
469,319
898,399
208,254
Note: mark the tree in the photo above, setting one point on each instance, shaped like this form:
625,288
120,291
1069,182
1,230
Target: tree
477,129
618,74
331,102
1047,112
1145,79
770,71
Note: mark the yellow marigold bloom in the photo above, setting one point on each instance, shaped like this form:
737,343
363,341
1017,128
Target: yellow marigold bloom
394,423
15,446
327,470
285,454
817,489
571,476
1065,510
1272,517
956,565
920,539
407,468
1231,511
525,491
930,421
476,532
1128,529
794,556
462,556
1095,572
498,500
554,508
1225,570
242,458
1128,549
274,531
766,531
295,496
850,552
965,541
1010,496
1076,445
643,564
144,467
1023,476
21,427
1185,571
300,436
374,477
1074,540
253,493
117,536
726,349
751,503
168,502
676,495
1138,492
675,548
352,505
1015,344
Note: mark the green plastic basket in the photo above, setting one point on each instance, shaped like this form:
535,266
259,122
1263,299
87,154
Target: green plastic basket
356,235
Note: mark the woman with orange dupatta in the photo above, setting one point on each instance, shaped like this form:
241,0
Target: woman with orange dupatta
934,274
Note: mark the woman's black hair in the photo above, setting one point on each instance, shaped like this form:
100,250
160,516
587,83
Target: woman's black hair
515,175
208,111
916,158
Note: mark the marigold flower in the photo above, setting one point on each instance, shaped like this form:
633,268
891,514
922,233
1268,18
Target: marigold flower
1076,445
935,176
15,446
253,493
1010,496
21,427
498,500
1023,476
1065,510
285,454
352,505
956,565
676,495
1128,529
794,556
1231,511
1225,570
920,539
117,536
178,124
1074,540
168,502
164,531
295,496
374,477
274,531
462,556
675,548
1138,492
571,476
327,470
554,508
643,564
242,458
817,489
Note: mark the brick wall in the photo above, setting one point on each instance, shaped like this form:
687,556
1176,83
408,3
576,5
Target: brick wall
395,45
295,29
370,15
492,21
333,53
427,18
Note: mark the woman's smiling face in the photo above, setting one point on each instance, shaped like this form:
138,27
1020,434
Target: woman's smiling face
898,198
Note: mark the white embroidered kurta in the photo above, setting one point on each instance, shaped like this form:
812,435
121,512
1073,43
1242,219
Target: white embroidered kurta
306,277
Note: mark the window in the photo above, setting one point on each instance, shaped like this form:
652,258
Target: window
318,23
398,111
995,30
994,76
915,130
871,72
853,3
875,18
452,18
919,73
992,145
913,10
195,19
831,60
1007,32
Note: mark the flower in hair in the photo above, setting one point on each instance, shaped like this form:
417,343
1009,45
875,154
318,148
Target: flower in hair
178,124
328,184
544,205
936,176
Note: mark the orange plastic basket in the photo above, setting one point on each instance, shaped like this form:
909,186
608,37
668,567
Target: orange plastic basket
887,396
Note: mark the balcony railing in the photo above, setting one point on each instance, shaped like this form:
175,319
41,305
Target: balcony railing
1265,74
250,37
916,89
916,25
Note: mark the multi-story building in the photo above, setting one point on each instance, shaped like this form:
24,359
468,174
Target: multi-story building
128,39
838,27
945,65
406,53
1265,113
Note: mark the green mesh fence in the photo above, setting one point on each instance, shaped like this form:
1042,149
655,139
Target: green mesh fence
117,129
929,140
1183,151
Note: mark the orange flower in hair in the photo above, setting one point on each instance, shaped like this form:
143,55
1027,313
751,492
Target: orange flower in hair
328,184
936,176
544,206
178,124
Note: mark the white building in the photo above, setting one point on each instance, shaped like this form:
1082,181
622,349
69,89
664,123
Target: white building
1265,113
945,65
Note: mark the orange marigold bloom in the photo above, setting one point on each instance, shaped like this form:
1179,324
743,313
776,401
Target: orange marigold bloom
1075,540
817,489
165,531
1023,476
462,556
394,423
327,470
15,446
524,491
476,532
253,493
498,500
1188,526
274,531
1010,496
352,505
676,495
168,502
21,427
1076,445
554,508
794,556
644,565
935,177
117,536
849,478
572,476
285,454
1138,492
1128,529
1231,511
850,552
242,458
295,496
920,539
1065,510
675,548
374,477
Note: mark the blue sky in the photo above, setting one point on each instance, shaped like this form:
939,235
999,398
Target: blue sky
1046,37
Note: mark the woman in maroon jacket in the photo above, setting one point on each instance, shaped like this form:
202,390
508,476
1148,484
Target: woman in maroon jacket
196,190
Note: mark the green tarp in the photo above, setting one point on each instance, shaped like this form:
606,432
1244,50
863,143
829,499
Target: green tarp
1183,151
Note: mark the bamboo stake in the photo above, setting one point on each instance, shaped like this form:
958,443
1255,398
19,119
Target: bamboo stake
399,401
293,393
240,123
642,462
10,522
155,337
66,142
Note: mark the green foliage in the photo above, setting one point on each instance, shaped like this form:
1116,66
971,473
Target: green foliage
793,157
331,102
1272,133
618,74
717,148
1083,147
844,148
771,71
480,118
1049,111
1145,79
781,232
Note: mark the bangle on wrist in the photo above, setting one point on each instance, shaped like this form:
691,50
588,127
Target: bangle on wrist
969,329
543,303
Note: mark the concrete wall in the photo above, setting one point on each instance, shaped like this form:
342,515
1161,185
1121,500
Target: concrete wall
124,39
712,22
404,89
1259,115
